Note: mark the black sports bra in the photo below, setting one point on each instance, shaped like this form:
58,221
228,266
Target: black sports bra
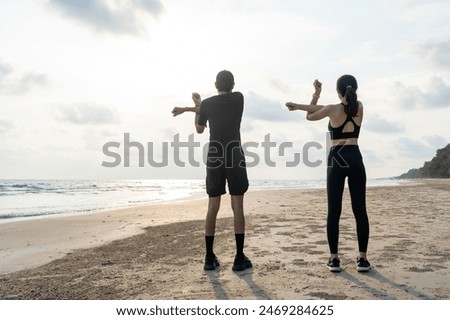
336,133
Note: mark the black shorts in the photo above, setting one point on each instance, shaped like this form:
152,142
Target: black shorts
216,178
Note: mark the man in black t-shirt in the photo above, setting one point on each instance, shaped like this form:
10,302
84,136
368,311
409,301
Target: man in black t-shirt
225,162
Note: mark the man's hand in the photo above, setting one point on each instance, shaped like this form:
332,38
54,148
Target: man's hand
197,99
177,111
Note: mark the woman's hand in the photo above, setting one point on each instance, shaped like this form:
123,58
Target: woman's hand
291,106
317,87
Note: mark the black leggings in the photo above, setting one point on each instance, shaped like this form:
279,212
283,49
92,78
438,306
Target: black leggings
346,161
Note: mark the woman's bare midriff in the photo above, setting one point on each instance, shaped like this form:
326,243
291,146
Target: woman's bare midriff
344,142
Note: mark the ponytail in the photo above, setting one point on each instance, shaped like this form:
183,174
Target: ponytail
347,86
351,108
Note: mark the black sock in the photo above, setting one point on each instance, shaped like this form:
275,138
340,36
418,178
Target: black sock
209,240
239,244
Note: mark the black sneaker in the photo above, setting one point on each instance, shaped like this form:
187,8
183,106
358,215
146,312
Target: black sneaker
362,265
334,265
211,263
241,263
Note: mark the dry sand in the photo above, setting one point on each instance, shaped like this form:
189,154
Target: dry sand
156,252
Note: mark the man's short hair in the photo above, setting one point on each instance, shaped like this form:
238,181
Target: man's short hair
225,81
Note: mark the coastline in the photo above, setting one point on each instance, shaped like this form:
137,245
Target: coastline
136,253
24,200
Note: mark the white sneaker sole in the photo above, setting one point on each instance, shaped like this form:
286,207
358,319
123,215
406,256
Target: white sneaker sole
334,269
363,269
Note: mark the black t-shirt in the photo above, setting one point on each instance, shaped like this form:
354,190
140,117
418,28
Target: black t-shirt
224,114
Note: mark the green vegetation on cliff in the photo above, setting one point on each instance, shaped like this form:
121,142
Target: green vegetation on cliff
438,167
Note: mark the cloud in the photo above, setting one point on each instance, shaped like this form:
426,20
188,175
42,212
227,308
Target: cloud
436,96
377,124
437,141
81,114
28,82
427,12
372,156
13,83
23,84
94,138
414,149
6,126
5,69
154,7
261,108
125,17
435,51
279,85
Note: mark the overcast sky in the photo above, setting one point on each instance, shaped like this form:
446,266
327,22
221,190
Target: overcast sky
76,75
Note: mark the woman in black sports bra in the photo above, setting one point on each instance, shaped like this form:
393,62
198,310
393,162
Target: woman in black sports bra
344,160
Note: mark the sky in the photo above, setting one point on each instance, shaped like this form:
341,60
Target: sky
87,86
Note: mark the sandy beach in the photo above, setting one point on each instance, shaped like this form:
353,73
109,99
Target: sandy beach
156,252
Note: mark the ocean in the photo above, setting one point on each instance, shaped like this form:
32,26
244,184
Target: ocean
33,199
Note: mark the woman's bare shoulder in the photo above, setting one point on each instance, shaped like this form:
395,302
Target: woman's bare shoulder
335,106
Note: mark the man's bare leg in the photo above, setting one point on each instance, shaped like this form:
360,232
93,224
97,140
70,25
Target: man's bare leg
211,215
237,205
241,262
211,261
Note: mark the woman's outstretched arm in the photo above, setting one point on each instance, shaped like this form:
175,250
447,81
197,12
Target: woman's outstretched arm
303,107
312,106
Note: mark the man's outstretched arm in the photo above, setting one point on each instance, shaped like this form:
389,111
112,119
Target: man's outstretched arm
180,110
197,101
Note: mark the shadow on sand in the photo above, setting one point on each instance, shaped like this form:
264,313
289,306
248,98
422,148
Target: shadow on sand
247,276
374,274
